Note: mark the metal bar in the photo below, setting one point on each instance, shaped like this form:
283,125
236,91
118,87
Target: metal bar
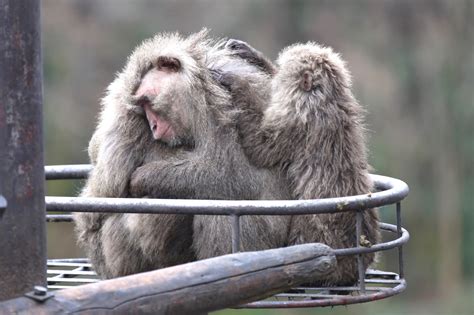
400,248
382,281
77,171
341,300
69,262
360,265
59,218
70,272
351,289
305,296
379,273
22,228
79,271
235,233
381,183
72,280
60,287
377,247
325,295
395,190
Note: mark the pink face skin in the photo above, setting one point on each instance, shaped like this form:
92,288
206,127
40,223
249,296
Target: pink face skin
160,128
150,87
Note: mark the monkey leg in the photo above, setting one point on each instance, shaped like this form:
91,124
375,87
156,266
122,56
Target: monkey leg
88,227
121,255
164,239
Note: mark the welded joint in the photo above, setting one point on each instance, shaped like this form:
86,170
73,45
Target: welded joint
39,294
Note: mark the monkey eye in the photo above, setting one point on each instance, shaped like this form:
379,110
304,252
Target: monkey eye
168,64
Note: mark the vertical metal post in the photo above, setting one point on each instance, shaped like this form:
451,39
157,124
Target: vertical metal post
400,248
360,265
22,227
235,233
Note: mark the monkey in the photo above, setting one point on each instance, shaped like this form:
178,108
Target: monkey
310,126
167,130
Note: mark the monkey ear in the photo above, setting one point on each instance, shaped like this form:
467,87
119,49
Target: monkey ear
199,38
199,43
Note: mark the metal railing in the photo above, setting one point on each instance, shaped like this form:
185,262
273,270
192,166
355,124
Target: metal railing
373,284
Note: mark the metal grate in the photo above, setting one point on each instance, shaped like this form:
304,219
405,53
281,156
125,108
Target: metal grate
373,284
65,273
378,285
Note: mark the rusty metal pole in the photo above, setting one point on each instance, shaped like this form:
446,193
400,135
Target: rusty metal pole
22,226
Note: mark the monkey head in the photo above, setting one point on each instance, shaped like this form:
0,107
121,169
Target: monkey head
314,77
163,82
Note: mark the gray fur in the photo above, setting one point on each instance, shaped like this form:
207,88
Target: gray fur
310,126
204,161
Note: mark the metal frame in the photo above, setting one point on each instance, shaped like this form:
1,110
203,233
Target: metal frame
372,286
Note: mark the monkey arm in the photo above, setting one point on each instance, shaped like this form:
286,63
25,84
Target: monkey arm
159,179
217,173
93,148
118,149
262,144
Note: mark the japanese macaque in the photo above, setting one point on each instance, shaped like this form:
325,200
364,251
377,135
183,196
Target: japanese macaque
310,126
167,130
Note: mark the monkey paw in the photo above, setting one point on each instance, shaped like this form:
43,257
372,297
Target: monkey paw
245,51
240,47
226,79
138,183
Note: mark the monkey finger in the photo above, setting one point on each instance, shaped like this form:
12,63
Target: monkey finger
223,78
235,44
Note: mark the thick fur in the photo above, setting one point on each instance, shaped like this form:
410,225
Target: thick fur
311,128
205,162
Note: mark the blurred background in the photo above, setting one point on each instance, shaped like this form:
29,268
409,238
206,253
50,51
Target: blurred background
413,68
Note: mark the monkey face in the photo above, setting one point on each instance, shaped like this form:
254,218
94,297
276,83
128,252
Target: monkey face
151,87
159,95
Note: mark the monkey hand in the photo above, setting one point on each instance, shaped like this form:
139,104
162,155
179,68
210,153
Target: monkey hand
139,185
240,48
160,179
226,79
243,50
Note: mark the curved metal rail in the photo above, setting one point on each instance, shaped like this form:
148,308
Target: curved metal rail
391,191
373,285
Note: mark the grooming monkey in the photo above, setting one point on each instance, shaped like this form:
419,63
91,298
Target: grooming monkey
309,126
166,130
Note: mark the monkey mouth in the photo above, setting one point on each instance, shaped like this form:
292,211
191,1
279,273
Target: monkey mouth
160,128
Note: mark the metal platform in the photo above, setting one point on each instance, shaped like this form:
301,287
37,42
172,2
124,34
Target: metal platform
66,273
372,284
